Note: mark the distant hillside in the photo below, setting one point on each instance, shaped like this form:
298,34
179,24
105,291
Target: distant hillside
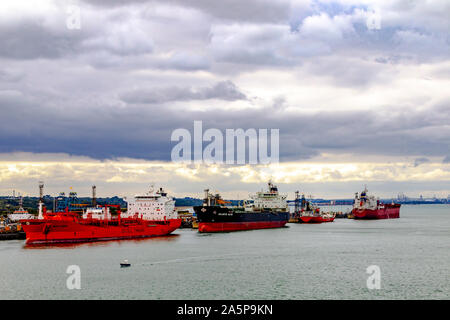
187,202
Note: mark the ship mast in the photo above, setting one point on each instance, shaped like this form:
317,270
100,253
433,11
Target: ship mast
41,199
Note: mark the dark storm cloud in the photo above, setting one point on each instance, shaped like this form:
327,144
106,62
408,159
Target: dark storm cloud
66,100
144,131
224,90
30,39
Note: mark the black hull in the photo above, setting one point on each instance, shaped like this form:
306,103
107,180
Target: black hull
224,214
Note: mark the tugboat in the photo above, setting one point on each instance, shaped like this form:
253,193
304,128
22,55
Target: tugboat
149,215
265,209
368,207
314,215
306,212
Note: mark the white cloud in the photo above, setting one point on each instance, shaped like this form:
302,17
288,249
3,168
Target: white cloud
122,39
184,180
325,28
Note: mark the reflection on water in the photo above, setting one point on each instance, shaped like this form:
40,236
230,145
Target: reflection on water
100,243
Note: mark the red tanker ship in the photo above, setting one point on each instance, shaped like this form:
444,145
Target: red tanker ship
149,215
368,207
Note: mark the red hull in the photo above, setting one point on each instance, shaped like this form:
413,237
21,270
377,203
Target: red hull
238,226
305,219
57,231
389,211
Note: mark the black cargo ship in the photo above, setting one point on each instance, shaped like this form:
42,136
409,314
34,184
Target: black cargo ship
265,210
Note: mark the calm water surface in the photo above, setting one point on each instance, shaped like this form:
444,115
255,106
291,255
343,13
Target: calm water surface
326,261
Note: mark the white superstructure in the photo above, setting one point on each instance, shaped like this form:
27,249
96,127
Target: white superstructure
20,213
267,200
17,216
100,213
152,206
364,201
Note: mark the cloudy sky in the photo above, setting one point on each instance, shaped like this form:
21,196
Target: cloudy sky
90,92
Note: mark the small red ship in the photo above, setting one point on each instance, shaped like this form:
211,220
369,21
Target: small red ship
149,215
306,212
315,216
368,207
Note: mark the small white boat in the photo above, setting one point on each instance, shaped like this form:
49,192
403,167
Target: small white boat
125,263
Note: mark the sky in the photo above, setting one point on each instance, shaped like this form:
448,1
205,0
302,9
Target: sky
91,91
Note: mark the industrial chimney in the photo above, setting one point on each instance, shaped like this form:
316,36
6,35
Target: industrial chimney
207,198
94,196
41,199
297,200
